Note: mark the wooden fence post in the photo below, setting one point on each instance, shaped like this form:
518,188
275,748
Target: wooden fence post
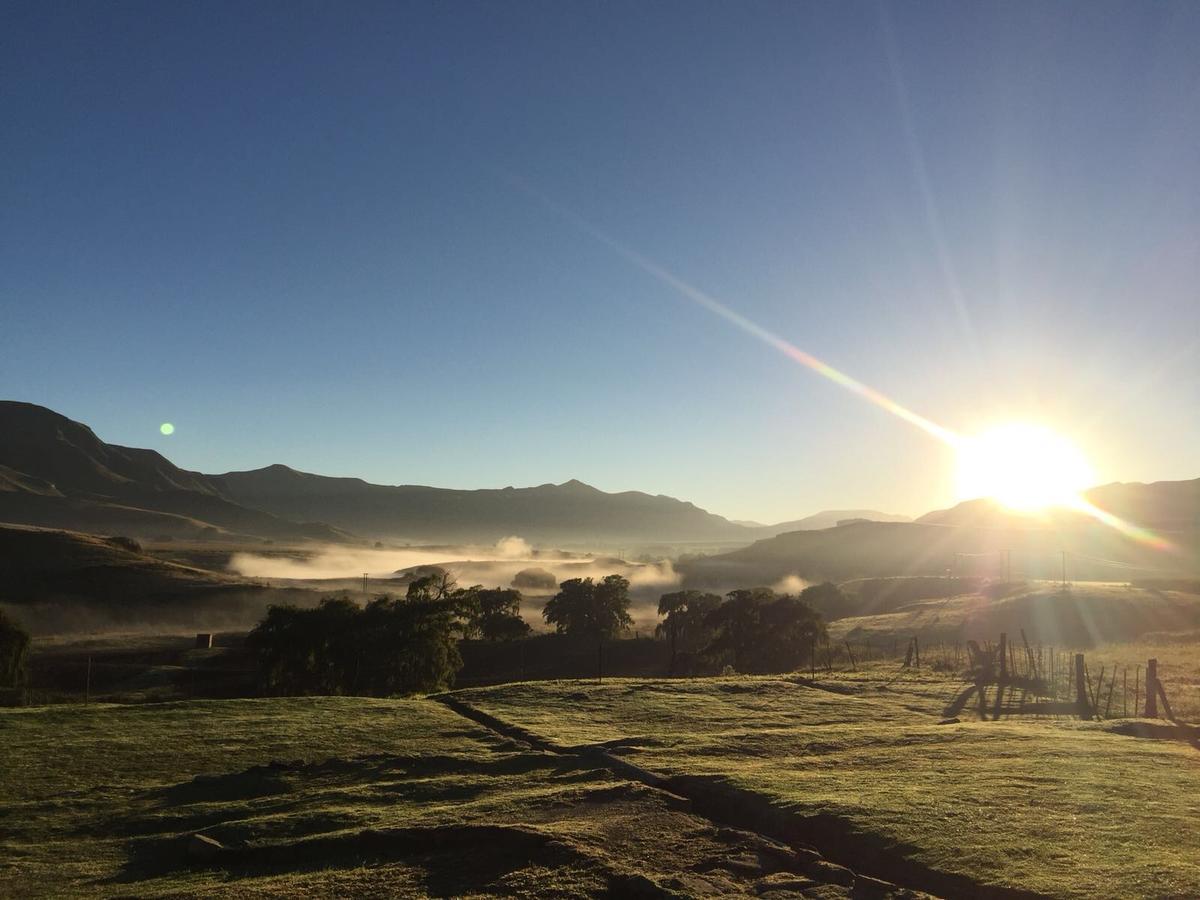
1081,691
1162,695
1152,689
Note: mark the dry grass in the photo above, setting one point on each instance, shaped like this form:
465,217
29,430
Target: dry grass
334,797
1056,807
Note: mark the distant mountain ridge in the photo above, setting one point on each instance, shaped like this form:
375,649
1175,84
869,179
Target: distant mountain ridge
830,518
571,511
981,537
55,472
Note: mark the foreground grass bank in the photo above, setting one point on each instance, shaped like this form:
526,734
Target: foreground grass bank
348,797
1054,807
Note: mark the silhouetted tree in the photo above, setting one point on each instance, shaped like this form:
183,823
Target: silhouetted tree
437,585
826,598
409,645
391,647
586,609
535,579
684,626
760,632
14,650
496,614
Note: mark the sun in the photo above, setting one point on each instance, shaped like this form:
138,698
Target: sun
1024,466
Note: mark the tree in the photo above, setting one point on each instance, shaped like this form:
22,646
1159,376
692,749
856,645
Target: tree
391,647
684,626
826,598
586,609
409,645
497,614
14,650
535,579
436,585
761,632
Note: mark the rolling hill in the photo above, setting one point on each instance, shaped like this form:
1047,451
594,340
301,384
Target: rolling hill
973,538
63,581
568,512
56,473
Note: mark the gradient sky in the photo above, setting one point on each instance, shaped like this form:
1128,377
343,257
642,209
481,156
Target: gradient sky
293,231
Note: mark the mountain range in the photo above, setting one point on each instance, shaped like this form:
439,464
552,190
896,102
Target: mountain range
981,537
55,472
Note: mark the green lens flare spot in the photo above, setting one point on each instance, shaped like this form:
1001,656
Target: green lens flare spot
166,428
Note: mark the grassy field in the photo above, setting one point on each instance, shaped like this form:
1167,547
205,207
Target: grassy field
1087,615
1054,807
345,797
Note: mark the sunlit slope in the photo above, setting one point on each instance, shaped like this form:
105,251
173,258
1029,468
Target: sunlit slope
57,473
342,797
1084,616
978,541
62,581
1063,809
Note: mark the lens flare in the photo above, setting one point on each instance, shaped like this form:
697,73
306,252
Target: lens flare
166,428
1071,466
1026,467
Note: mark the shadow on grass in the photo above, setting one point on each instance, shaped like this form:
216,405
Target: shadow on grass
456,859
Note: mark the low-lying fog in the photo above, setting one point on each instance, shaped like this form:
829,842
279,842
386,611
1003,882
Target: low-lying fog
494,566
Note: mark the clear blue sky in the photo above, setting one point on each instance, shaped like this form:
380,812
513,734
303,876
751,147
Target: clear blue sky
289,229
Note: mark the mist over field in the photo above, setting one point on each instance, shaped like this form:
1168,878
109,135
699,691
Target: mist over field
495,565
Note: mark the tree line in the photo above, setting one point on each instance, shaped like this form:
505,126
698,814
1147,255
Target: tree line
407,645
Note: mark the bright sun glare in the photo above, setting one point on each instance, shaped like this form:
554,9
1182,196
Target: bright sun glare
1025,467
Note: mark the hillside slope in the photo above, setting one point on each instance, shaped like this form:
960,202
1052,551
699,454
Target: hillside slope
57,473
973,542
571,511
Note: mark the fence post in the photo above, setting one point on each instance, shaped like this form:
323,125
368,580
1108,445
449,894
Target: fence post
1081,692
1152,689
1137,690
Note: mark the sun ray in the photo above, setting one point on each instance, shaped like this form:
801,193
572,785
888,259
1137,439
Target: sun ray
1071,498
